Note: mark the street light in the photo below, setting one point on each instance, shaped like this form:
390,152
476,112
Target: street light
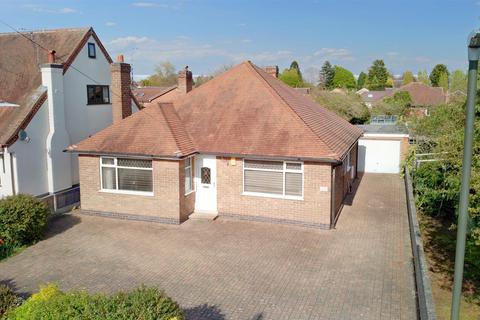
473,56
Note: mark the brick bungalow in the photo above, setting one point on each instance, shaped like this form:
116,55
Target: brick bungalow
242,145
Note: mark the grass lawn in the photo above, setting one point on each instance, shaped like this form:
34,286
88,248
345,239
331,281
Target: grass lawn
439,243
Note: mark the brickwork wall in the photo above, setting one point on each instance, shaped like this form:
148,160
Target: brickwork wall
164,203
187,202
313,209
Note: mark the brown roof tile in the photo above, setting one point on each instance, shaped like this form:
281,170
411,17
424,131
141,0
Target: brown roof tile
244,111
147,94
424,95
155,131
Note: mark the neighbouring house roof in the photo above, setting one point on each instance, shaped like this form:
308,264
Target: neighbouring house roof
20,76
155,131
148,94
424,95
244,111
375,96
421,94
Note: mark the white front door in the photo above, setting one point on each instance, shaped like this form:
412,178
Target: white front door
206,183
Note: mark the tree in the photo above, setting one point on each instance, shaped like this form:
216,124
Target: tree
326,75
443,81
407,77
458,81
390,82
291,77
395,105
422,76
343,78
165,75
362,77
294,66
436,74
377,75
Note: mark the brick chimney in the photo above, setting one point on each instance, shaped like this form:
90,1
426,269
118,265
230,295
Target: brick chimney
185,81
121,91
272,70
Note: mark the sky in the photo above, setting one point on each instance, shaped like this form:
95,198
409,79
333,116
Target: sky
206,35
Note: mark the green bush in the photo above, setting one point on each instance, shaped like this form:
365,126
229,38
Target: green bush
8,300
347,105
141,303
23,219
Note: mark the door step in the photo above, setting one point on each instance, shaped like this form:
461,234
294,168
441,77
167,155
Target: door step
203,216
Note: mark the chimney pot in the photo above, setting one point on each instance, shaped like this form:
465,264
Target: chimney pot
51,56
120,58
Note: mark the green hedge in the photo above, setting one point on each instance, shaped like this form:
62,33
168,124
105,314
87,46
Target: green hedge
8,300
23,219
142,303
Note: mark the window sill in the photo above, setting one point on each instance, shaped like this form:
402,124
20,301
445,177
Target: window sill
99,104
134,193
268,195
189,192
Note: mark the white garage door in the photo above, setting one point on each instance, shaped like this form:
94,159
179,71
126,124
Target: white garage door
380,156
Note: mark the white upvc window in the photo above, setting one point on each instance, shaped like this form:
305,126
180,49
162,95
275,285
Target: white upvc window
270,178
188,175
126,175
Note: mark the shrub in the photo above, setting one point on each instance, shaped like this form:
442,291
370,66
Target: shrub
8,300
349,106
141,303
23,219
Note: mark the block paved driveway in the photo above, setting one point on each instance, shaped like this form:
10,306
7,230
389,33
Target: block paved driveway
229,269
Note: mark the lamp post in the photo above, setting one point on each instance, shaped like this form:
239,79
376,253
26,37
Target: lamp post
473,56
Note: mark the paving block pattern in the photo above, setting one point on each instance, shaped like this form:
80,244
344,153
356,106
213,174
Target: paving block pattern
228,269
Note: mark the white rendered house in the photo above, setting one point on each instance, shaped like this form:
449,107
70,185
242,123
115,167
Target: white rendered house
50,100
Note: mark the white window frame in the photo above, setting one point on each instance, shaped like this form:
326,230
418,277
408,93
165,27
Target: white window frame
116,166
284,170
187,192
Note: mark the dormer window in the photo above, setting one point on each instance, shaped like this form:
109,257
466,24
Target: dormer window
91,50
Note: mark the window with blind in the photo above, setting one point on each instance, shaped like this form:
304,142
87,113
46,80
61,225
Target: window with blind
188,175
275,178
126,175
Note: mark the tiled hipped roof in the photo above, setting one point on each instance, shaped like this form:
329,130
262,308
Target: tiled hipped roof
155,131
244,111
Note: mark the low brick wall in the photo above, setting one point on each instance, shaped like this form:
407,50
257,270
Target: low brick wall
424,290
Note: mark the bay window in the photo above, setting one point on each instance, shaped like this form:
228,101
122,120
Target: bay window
126,175
273,178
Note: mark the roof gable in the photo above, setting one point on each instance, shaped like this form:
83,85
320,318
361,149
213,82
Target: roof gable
20,76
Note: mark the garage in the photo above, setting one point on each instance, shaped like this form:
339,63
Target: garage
382,148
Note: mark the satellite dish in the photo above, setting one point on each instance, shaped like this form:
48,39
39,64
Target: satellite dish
22,135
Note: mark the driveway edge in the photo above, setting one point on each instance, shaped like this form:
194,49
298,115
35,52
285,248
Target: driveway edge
425,302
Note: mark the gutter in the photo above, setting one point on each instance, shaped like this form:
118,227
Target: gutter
238,155
136,155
